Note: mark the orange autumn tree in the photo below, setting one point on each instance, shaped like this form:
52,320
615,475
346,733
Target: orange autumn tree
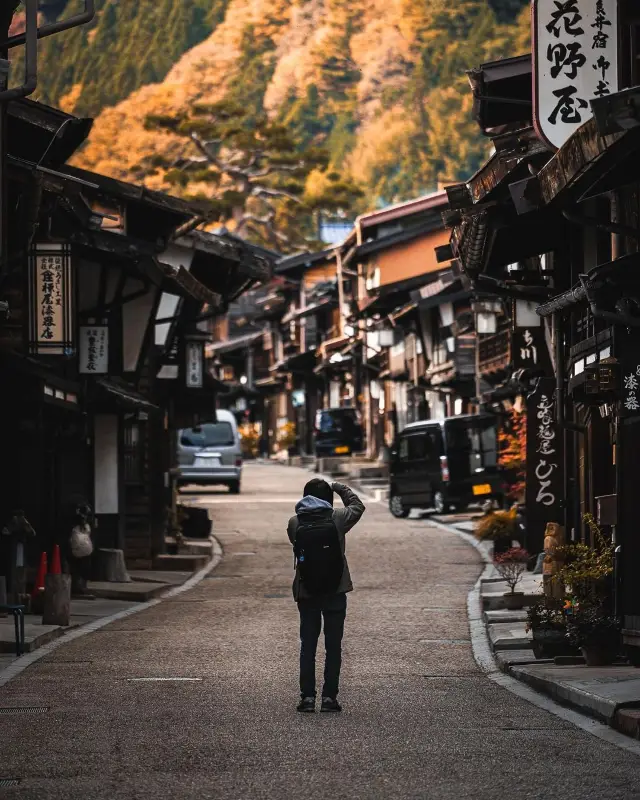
512,445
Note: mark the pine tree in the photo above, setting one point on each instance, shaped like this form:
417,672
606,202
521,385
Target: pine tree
249,172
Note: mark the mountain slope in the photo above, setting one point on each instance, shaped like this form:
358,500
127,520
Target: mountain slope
380,83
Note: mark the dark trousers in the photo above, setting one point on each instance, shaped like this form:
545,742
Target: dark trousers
333,610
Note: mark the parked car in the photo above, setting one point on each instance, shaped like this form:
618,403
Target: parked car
445,464
211,454
338,432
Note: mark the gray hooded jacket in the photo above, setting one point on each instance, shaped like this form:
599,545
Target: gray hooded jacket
344,519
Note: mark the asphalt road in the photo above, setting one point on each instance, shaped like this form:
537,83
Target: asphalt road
419,721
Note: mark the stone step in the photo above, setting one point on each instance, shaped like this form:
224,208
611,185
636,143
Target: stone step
508,636
35,634
184,562
193,547
134,591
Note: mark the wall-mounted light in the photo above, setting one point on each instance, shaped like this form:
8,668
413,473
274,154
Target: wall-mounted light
243,379
486,322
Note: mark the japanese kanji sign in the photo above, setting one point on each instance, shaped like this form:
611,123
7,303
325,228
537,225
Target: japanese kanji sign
631,390
194,364
50,300
530,350
544,480
575,58
94,349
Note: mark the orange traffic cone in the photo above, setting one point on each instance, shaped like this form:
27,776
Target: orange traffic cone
42,571
56,566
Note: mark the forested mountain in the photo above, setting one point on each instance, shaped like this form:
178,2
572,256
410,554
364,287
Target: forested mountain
380,84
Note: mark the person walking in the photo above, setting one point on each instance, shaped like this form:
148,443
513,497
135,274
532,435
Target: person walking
321,582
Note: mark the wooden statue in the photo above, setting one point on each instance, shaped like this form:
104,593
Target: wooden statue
553,540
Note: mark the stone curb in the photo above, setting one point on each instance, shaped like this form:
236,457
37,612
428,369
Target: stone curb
486,661
20,664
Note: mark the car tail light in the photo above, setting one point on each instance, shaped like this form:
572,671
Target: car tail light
238,462
444,468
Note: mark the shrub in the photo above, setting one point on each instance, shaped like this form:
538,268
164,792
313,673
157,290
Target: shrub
497,525
511,565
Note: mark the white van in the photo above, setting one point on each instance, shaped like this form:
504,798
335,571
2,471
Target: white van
211,454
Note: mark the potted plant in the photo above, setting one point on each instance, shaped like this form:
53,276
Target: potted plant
587,573
548,625
595,632
500,527
510,566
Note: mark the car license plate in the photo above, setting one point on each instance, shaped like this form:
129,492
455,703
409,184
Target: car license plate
206,461
341,450
482,488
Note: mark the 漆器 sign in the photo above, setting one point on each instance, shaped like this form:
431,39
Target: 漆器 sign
575,59
50,300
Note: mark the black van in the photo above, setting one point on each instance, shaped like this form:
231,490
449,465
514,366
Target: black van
338,432
445,464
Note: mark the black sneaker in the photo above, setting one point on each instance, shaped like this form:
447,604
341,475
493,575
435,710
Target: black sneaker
307,705
330,704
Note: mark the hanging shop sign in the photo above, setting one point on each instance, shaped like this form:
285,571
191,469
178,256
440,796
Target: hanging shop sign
545,483
575,59
530,350
50,300
194,364
94,349
629,375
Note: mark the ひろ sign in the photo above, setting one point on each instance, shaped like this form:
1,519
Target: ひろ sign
575,59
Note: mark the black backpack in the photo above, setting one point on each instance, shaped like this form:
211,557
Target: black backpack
319,556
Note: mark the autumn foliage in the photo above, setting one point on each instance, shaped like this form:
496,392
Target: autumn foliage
512,443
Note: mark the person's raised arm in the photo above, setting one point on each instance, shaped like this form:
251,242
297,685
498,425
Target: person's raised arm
353,506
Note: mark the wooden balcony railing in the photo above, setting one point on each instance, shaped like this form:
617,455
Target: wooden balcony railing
495,351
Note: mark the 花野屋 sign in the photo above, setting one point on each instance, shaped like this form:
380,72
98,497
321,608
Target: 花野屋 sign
575,59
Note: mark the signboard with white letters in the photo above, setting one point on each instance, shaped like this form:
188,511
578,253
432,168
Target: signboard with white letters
575,59
544,479
94,350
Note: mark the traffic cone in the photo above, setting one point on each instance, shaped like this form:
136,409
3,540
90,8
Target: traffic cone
42,571
56,566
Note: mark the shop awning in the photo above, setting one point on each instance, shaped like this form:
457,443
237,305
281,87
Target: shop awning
229,345
313,308
124,394
300,362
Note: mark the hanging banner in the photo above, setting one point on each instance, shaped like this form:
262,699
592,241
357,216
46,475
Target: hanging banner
50,300
94,350
530,350
628,344
575,59
194,364
545,479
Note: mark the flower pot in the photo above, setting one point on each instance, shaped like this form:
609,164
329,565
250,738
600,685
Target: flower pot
598,655
552,642
514,601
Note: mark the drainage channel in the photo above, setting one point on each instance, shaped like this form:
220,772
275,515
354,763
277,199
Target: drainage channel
140,680
9,782
25,710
